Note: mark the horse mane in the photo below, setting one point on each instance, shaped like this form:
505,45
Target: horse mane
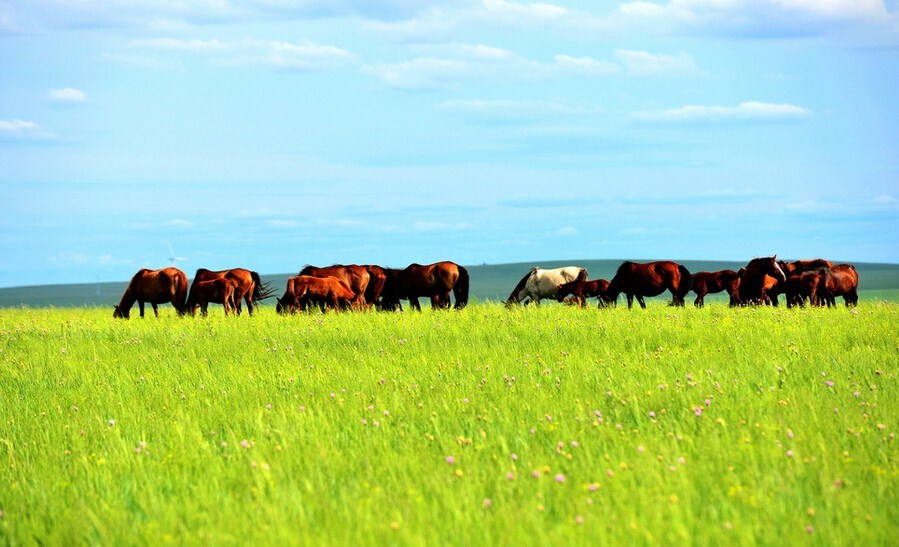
522,283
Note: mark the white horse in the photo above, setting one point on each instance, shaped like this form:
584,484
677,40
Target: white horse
540,283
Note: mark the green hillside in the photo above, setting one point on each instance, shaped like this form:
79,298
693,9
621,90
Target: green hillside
488,282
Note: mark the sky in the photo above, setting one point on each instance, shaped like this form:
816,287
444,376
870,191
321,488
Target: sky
270,134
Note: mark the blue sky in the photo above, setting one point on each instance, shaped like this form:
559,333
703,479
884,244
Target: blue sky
271,134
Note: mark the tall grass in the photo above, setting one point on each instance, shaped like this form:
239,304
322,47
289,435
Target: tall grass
547,425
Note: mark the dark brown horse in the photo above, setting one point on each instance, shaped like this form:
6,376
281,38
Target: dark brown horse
435,281
305,290
377,279
249,287
802,266
714,282
357,277
582,290
760,281
156,287
841,280
218,290
650,279
802,287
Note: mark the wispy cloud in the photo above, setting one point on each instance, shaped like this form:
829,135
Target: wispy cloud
642,63
763,17
304,55
67,95
22,130
744,112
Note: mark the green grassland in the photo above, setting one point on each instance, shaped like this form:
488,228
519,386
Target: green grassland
533,426
489,282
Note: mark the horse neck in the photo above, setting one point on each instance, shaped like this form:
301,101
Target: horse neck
127,300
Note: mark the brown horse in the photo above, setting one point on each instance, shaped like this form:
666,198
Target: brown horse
582,290
249,287
760,281
435,281
841,280
650,279
218,290
156,287
714,282
304,290
357,277
801,266
377,279
802,287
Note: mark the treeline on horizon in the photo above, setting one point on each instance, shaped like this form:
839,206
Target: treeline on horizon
489,282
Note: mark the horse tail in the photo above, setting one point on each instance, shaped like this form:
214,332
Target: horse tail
582,275
686,282
513,298
460,289
179,299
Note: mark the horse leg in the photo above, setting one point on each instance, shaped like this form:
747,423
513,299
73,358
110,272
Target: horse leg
140,304
640,300
155,308
630,300
413,303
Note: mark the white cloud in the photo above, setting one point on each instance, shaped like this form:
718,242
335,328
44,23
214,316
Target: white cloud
513,108
18,127
886,198
427,226
747,111
762,17
253,52
67,95
586,66
566,231
641,63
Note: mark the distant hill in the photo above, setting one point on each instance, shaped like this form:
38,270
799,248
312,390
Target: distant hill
488,282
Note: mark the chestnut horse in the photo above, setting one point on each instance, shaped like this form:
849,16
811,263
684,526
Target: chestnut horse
435,281
377,279
248,285
841,280
650,279
582,290
357,277
218,290
156,287
303,290
760,281
714,282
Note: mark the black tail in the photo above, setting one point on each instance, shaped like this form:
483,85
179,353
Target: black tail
460,289
261,291
686,282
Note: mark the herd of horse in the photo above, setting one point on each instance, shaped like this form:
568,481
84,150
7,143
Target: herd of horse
818,282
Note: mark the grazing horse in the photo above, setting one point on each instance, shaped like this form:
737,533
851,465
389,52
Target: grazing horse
435,281
806,285
539,283
218,290
156,287
841,280
582,290
249,287
357,277
760,281
650,279
303,290
714,282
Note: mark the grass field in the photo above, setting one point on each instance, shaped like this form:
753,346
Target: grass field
532,426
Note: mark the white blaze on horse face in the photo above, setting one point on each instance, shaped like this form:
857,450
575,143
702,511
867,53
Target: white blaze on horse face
783,276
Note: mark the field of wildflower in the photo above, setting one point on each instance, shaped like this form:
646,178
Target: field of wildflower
549,426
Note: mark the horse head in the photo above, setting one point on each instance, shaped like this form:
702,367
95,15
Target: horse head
119,313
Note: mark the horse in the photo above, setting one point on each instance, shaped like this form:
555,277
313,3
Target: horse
377,279
650,279
156,287
841,280
357,277
303,290
249,287
798,288
539,283
582,290
435,281
218,290
760,280
714,282
801,266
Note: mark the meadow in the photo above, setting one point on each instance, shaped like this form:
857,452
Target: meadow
532,426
